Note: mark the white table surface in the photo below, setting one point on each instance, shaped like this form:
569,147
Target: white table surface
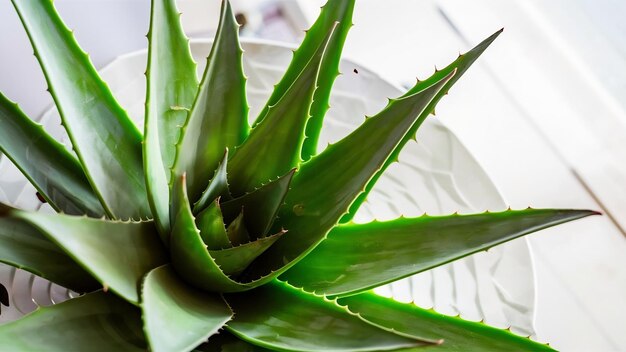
519,111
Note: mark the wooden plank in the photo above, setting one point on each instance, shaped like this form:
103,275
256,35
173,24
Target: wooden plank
555,89
516,146
553,102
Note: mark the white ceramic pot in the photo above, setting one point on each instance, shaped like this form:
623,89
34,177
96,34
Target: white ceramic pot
436,175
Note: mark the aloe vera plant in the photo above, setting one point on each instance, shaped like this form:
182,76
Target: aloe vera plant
203,233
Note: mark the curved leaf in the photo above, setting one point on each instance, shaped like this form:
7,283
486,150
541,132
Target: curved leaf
190,256
275,144
237,232
25,247
233,261
326,185
46,163
105,139
332,12
459,66
357,257
97,322
118,254
281,317
227,342
176,316
339,11
171,88
218,187
219,117
260,206
210,222
457,334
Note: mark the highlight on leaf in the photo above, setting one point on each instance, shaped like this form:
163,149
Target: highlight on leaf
203,234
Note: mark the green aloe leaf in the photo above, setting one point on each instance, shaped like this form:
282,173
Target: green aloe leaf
260,206
210,222
171,89
339,11
97,322
25,247
274,145
46,163
219,117
233,261
218,187
227,342
237,232
281,317
457,334
357,257
106,141
117,254
178,317
460,66
190,256
332,12
326,185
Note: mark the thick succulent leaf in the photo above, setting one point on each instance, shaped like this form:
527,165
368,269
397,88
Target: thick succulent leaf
210,222
282,317
219,117
190,256
106,141
218,187
117,254
227,342
334,11
233,261
326,185
260,207
460,66
237,232
275,144
178,317
171,89
46,163
25,247
457,334
340,11
94,322
357,257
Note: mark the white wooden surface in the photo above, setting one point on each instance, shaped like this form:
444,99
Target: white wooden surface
546,128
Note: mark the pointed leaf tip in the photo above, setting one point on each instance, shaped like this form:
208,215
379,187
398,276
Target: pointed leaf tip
414,245
171,88
326,185
261,206
275,144
218,186
219,116
461,65
265,317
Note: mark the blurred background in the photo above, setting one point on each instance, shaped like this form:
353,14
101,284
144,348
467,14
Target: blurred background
543,111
